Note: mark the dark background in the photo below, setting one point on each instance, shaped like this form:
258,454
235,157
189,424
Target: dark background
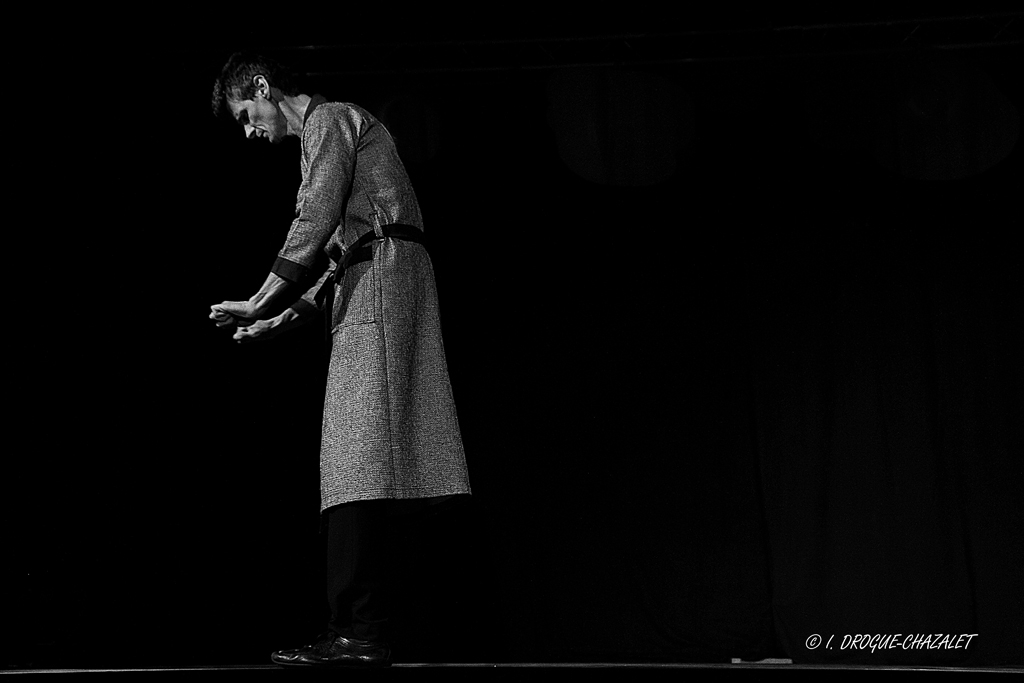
732,315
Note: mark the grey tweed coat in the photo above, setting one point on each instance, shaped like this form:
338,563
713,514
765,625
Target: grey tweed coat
389,426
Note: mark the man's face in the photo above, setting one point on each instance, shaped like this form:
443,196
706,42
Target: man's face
260,118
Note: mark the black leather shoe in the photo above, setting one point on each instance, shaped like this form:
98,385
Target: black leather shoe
330,649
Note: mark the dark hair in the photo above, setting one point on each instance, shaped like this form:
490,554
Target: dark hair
235,80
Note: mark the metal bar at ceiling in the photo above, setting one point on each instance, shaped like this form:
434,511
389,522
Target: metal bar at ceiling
961,32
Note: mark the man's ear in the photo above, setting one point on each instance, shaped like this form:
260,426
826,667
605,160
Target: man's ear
262,87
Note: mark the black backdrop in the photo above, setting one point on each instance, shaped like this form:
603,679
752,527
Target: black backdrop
735,348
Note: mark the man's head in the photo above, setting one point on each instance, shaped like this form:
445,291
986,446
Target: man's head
249,90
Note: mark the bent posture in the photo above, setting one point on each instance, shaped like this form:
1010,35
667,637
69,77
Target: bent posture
354,252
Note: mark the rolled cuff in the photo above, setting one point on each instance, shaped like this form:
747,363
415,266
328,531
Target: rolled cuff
289,270
304,308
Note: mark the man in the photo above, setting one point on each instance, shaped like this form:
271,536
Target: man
390,431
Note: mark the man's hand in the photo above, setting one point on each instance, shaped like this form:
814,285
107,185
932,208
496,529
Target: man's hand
232,313
261,330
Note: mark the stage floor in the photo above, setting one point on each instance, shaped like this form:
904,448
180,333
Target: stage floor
517,670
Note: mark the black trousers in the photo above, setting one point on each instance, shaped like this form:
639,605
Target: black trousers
357,569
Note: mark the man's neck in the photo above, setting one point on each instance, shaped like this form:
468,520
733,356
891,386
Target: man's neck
294,110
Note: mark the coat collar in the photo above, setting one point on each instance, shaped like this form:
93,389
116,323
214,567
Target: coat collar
314,102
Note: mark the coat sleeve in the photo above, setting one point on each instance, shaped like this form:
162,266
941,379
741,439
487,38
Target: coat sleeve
329,156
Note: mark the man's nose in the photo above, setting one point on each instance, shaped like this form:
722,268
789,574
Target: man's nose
249,131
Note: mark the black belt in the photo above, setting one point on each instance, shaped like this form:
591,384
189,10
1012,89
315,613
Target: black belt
361,250
358,252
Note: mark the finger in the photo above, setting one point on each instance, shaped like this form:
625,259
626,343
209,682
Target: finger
250,333
222,319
